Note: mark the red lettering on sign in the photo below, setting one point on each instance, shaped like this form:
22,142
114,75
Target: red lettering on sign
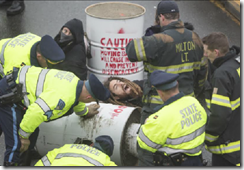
114,114
116,42
117,111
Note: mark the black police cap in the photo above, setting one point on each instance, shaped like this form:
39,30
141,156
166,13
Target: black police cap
167,6
96,88
51,50
162,80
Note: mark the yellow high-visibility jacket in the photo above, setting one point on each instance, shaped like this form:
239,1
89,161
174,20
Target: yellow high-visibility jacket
179,126
75,155
50,94
17,50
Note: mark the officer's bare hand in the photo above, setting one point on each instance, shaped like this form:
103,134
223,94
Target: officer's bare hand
24,144
92,110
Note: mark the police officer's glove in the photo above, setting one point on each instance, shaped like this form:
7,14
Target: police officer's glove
24,144
92,110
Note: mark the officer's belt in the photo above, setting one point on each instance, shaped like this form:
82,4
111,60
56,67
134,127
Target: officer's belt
16,94
171,160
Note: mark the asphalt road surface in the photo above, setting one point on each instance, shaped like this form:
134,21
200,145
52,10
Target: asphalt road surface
47,17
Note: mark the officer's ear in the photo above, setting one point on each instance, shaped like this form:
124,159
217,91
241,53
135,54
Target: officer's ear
38,55
88,96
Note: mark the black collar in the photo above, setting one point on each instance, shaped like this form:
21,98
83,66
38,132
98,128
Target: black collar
173,25
234,51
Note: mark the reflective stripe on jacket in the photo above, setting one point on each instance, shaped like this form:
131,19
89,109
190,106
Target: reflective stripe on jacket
178,127
17,50
75,155
50,95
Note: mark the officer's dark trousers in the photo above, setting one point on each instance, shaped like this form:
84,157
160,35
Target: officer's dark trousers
145,158
218,160
192,161
10,118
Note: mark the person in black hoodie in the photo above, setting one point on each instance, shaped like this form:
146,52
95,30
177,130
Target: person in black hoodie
71,39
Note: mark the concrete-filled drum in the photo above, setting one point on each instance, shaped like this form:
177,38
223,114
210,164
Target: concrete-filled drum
110,27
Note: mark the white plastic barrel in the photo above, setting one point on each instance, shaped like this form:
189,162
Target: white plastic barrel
119,122
110,26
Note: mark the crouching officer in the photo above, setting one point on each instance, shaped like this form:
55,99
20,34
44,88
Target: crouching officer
47,95
176,132
29,49
97,154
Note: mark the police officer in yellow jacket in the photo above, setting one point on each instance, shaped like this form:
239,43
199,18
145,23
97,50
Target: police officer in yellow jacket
223,131
48,95
29,49
176,132
97,154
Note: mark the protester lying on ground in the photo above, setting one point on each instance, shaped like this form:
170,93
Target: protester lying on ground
125,92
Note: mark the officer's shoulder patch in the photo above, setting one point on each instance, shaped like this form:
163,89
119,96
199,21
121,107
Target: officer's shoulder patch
61,105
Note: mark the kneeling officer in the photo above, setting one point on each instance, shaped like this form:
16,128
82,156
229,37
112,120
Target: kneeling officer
176,132
47,95
97,154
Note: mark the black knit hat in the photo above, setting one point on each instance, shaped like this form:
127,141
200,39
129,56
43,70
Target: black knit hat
167,6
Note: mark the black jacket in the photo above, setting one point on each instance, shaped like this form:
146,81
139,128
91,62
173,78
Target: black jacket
174,50
75,57
138,101
223,129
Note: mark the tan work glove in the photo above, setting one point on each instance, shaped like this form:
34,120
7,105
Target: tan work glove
92,110
24,144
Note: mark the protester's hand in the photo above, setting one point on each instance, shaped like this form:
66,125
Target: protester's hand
24,144
92,110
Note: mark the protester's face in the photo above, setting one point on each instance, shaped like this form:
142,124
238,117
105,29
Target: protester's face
66,31
119,89
211,55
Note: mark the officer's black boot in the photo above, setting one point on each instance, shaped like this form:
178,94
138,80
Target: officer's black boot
5,2
10,164
17,7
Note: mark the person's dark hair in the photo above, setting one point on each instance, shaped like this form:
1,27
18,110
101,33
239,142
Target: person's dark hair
135,89
217,40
